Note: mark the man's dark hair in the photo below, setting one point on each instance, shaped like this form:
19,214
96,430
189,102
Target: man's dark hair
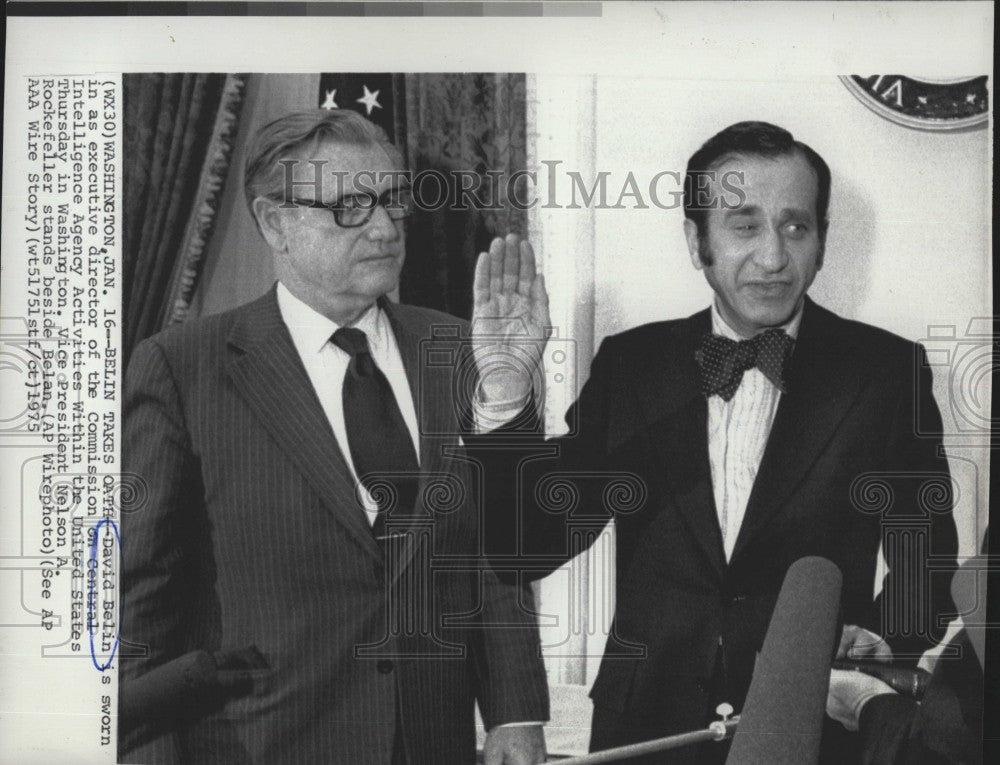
758,139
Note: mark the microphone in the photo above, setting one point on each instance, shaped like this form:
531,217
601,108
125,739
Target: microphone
907,681
782,718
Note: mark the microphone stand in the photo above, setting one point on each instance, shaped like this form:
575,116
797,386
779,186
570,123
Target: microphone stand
716,731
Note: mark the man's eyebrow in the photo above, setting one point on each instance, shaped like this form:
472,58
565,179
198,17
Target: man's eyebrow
741,211
376,193
751,210
368,195
797,212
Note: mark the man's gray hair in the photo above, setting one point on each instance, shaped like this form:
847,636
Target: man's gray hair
298,136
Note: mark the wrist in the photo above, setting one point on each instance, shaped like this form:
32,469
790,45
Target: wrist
502,389
864,698
490,415
496,403
859,705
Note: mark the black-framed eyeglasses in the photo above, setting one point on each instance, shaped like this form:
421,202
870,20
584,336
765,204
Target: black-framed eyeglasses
356,210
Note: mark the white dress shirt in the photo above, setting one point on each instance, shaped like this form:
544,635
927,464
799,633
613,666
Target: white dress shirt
326,365
737,435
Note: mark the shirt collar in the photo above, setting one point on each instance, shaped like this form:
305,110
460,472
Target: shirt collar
311,330
721,327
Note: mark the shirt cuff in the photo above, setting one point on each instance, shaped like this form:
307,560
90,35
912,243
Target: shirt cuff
488,417
863,701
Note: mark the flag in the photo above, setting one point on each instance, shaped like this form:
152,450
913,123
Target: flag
374,96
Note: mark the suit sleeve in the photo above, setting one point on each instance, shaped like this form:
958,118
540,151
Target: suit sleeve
916,596
511,682
544,499
884,727
525,540
945,727
157,456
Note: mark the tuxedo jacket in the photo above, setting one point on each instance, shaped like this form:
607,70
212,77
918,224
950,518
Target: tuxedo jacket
843,468
248,534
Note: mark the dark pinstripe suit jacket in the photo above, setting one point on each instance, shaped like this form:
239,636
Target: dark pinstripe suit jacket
251,535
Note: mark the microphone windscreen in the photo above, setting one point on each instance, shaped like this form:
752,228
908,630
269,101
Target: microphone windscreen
782,718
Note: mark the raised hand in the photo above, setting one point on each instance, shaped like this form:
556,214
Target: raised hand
509,321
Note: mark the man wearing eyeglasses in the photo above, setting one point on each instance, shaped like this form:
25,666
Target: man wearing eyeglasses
298,587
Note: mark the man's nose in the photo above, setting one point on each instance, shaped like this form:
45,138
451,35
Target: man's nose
381,226
770,253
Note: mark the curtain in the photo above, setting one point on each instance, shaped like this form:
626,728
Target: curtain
468,123
178,136
448,126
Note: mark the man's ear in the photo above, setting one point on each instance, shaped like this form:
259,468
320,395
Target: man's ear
822,245
271,222
693,242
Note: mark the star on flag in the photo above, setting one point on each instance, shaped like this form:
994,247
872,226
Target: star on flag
370,100
380,92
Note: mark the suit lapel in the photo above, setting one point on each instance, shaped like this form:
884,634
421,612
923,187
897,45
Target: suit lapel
678,413
430,389
823,382
266,369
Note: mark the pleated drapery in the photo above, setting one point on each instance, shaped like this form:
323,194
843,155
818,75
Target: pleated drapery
178,136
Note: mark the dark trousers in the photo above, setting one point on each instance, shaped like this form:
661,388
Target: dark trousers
399,756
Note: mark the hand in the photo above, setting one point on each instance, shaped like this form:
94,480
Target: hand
849,692
509,320
514,745
858,643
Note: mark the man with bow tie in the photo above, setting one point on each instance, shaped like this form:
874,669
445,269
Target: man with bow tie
761,430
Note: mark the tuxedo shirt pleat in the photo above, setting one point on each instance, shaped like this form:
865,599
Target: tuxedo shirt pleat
738,430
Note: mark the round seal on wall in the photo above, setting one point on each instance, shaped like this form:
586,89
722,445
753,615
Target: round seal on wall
923,102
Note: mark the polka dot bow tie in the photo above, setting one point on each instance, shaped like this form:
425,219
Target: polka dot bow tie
723,361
